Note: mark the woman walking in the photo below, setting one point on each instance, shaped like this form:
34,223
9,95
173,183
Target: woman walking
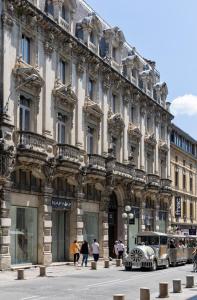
84,251
75,250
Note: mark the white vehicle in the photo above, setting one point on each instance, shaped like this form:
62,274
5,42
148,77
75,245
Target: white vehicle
151,252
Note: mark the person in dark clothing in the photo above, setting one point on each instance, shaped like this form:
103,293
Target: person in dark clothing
84,251
172,244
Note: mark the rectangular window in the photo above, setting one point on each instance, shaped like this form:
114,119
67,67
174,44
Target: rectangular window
191,210
24,114
113,103
114,53
114,146
61,129
184,181
176,178
191,184
62,66
133,114
90,88
90,140
25,49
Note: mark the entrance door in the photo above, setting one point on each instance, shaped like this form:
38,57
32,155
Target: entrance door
58,235
112,221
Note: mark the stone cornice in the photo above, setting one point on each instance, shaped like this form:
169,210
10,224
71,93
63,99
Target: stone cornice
48,23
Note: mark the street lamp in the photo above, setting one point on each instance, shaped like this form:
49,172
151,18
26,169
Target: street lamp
32,77
127,216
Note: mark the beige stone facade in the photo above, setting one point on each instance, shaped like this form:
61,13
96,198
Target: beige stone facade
184,182
85,130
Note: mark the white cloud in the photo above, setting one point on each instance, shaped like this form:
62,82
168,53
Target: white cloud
184,105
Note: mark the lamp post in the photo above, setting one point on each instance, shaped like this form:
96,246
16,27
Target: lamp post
127,215
30,78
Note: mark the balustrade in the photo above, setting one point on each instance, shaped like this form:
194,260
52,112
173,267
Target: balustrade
68,152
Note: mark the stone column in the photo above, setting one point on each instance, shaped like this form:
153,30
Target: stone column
105,108
5,224
142,127
81,92
125,133
157,147
44,228
103,226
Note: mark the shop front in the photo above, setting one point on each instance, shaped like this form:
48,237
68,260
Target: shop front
133,227
60,229
24,235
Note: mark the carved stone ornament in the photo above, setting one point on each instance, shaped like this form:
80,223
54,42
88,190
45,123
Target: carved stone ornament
93,108
115,124
64,94
24,70
115,34
150,139
134,131
163,146
91,22
49,43
7,19
49,170
7,160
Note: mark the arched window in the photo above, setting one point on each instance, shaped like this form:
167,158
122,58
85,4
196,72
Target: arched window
49,8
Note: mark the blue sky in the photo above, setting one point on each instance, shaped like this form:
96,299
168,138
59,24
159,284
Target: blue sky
166,32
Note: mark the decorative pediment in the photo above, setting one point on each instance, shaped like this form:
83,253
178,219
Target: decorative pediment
134,131
64,94
150,139
25,71
131,60
163,146
115,123
93,108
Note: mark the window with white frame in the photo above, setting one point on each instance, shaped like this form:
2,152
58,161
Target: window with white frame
61,129
149,167
90,140
62,70
92,37
24,114
25,49
114,53
49,7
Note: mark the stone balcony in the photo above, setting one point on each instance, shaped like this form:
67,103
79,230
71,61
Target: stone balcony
96,167
152,182
115,65
165,186
123,170
68,158
32,147
139,179
93,47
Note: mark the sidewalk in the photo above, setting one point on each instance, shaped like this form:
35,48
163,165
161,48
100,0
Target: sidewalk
187,294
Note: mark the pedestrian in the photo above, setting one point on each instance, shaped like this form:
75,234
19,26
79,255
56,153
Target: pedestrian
84,251
116,248
194,253
121,248
95,250
75,250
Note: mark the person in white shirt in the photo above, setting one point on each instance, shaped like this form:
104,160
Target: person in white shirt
116,248
95,250
121,248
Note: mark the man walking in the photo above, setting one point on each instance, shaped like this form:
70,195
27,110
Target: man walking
121,249
95,250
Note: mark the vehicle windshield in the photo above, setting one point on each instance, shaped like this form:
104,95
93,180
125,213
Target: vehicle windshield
148,240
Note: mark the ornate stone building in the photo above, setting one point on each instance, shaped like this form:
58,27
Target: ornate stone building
184,182
84,130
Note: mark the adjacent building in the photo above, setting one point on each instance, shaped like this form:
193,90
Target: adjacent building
184,182
84,131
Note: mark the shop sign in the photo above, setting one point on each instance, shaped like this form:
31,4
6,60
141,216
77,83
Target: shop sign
177,206
61,203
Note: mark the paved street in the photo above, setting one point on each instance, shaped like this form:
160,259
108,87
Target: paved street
67,282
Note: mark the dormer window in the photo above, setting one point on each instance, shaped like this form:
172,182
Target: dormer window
92,37
49,8
114,53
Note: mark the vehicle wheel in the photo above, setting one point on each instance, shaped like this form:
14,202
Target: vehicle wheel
154,266
167,264
128,268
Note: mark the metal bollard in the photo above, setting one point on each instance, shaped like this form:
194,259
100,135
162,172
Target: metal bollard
177,286
163,290
106,264
42,271
119,297
118,262
189,281
144,294
93,265
20,274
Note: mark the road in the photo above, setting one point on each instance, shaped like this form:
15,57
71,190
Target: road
86,284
